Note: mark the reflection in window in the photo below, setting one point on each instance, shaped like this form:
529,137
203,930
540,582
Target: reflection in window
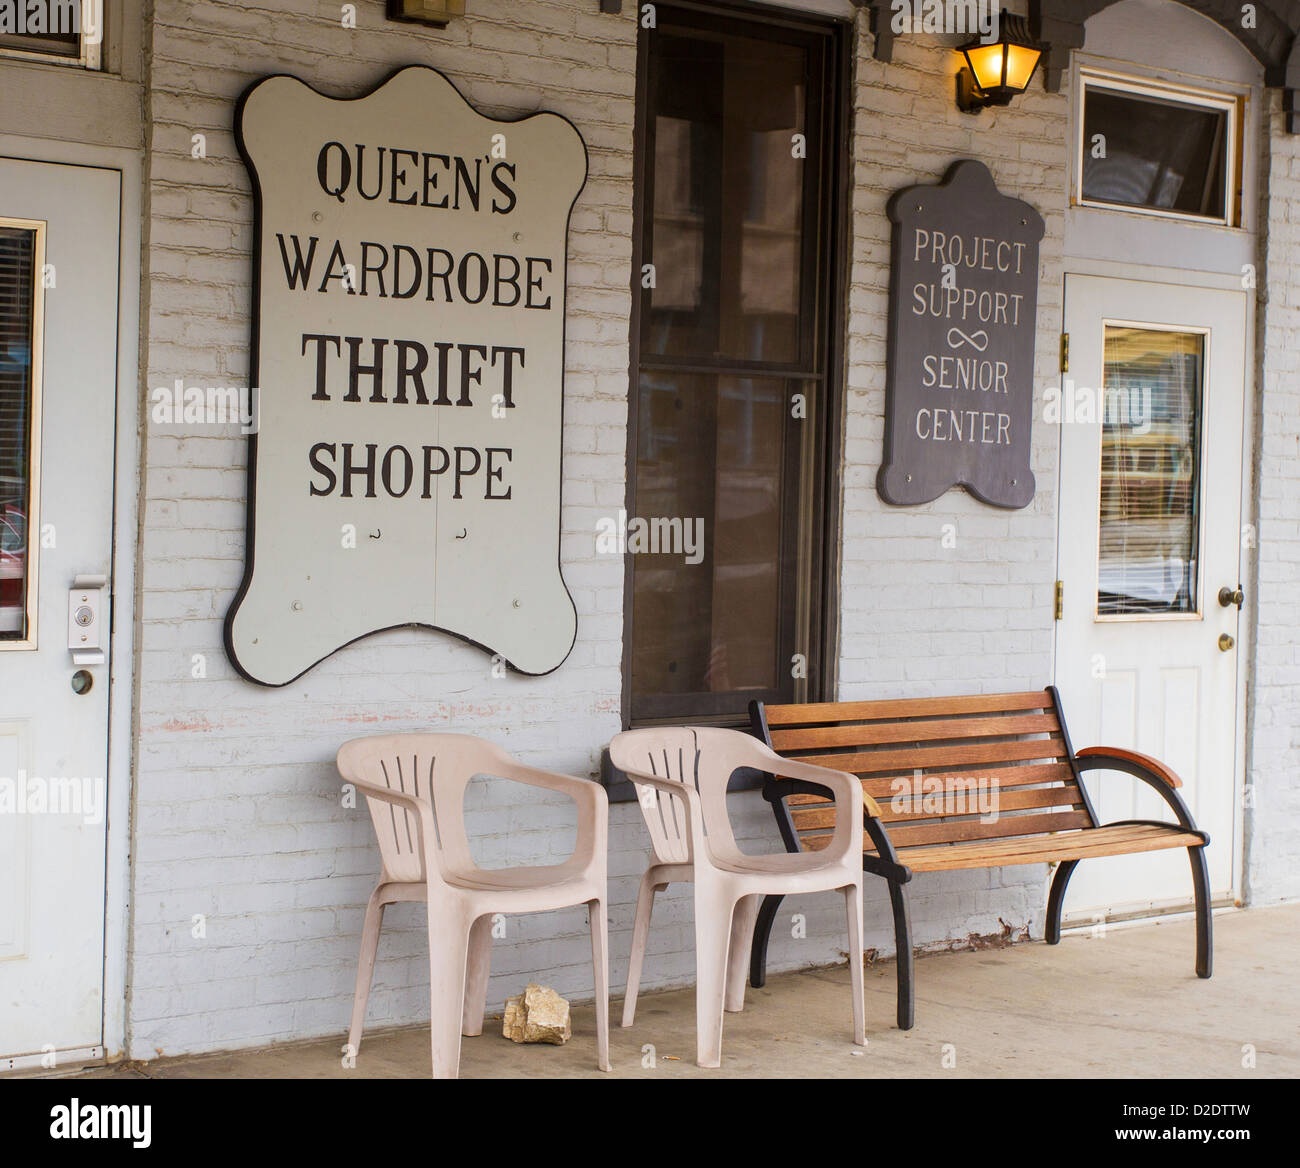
735,214
1145,151
17,290
728,198
711,450
1150,471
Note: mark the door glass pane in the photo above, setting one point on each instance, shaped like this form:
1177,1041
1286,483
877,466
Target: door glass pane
1167,155
706,614
1150,471
727,239
17,317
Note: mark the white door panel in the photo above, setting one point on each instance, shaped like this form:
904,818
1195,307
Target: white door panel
59,231
1150,530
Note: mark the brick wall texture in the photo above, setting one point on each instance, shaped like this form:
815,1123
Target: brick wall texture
237,810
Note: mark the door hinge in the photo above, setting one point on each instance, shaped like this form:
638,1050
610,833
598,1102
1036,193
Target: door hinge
1065,352
1060,598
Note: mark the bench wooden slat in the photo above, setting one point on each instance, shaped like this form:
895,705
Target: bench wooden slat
1081,845
959,830
820,712
822,814
934,730
1075,845
905,761
1032,845
1002,778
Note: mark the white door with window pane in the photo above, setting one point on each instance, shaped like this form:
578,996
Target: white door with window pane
1150,531
58,384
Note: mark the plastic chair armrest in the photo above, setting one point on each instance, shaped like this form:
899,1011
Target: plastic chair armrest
808,773
590,796
418,807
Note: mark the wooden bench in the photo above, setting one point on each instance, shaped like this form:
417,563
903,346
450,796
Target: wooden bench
1011,748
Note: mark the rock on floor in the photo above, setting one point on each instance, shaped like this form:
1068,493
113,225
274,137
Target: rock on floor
539,1014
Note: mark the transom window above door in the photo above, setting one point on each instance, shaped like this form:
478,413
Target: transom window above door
1157,149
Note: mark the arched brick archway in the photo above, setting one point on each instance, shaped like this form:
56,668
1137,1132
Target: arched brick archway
1060,25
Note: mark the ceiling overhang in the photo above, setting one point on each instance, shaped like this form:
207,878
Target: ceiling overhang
1060,26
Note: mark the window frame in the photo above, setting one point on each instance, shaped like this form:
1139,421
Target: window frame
28,641
1206,332
90,57
821,361
1230,104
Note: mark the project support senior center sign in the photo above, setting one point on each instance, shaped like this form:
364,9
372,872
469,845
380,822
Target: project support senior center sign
409,359
962,326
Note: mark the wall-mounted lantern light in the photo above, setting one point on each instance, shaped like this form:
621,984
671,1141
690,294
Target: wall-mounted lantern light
435,12
1000,70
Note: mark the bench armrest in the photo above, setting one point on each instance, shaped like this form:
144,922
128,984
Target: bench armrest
1141,766
1145,761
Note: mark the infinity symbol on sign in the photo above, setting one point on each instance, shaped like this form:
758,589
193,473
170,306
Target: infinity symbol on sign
957,338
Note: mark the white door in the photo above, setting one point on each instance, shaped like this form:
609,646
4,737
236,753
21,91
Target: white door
58,349
1150,531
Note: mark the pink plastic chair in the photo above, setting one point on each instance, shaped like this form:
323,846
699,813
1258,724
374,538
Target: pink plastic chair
681,777
426,857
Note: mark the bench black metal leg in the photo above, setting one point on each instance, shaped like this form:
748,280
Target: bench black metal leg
762,931
903,945
1204,934
1056,900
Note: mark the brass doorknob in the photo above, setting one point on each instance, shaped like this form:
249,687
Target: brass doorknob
1229,596
1225,642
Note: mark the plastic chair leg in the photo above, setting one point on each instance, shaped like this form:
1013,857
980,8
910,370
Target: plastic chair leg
645,903
366,967
742,936
476,982
600,967
448,959
853,903
713,912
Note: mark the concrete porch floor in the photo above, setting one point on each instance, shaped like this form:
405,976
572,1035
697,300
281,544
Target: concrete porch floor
1126,1004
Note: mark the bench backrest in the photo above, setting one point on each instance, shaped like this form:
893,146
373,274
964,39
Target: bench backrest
944,770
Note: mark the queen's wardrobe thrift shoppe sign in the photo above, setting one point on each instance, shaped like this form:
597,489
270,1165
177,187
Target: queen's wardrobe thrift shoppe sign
409,358
962,324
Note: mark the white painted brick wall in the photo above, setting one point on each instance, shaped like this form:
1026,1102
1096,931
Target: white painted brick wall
237,804
1273,811
920,618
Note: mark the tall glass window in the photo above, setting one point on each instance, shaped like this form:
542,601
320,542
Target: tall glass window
730,414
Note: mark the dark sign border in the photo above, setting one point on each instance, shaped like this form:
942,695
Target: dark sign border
904,483
250,522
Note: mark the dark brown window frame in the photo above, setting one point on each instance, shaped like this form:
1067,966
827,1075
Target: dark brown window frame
826,270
